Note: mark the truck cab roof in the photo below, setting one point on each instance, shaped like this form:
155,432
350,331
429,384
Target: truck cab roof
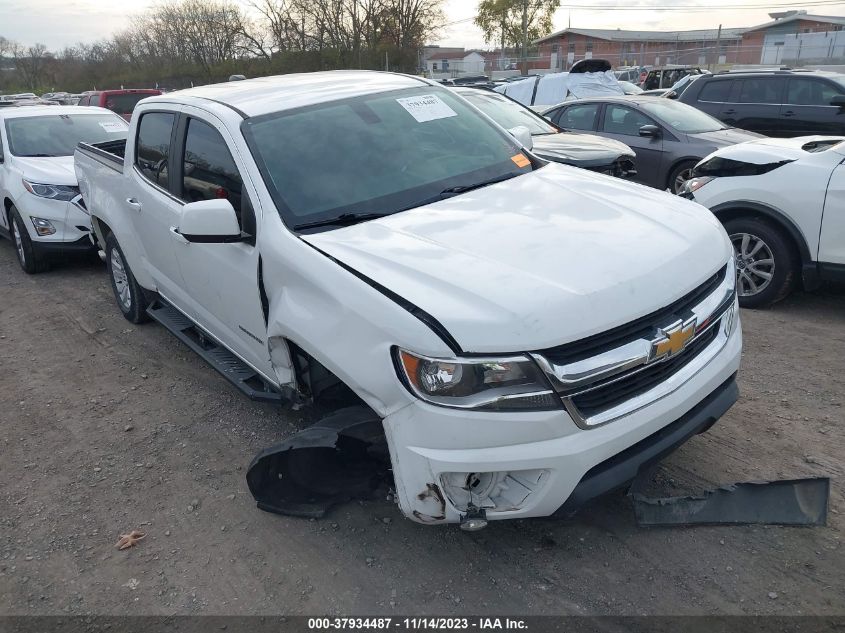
263,95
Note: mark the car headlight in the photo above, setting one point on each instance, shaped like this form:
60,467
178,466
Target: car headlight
493,384
65,193
694,184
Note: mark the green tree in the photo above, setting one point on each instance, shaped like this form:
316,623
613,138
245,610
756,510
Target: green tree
516,22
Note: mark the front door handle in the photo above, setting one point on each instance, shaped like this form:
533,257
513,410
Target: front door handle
132,202
789,113
174,231
729,112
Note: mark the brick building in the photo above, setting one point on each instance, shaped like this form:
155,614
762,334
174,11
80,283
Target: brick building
748,45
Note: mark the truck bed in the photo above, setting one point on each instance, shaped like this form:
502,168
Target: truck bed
109,153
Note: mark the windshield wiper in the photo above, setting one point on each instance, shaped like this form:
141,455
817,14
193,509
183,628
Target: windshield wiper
39,156
344,219
477,185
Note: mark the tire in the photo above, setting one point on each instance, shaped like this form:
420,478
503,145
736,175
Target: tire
128,294
767,264
679,175
30,260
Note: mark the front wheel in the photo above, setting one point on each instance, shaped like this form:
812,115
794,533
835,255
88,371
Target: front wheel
766,264
679,176
128,294
28,257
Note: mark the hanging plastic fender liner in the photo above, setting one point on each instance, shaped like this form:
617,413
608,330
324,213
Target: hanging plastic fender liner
342,457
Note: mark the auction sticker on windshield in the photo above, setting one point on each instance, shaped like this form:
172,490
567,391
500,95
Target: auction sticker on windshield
110,126
426,108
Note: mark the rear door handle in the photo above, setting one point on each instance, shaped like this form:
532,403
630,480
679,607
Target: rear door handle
174,231
729,112
789,113
132,202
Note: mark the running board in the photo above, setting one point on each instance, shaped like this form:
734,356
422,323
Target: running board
233,369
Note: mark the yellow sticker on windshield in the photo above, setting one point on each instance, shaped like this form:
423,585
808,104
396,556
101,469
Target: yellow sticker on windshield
521,160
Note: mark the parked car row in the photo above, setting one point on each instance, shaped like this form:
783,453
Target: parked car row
121,101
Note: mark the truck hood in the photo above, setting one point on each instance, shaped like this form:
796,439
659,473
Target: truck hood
771,150
540,260
52,170
578,149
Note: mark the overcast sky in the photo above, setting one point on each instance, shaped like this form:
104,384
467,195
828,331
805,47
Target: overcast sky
58,23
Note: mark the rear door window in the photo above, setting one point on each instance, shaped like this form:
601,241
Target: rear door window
579,117
718,91
811,92
124,103
152,147
762,90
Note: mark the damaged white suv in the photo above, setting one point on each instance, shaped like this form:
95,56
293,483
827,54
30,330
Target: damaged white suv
511,337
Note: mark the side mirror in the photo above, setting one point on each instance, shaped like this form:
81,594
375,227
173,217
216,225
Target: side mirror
523,135
838,101
210,222
671,95
650,130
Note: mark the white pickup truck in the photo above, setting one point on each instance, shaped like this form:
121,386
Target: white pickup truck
517,336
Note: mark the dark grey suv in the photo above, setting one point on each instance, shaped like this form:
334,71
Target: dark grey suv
782,103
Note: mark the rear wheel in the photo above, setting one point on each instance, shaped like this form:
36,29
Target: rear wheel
128,294
766,264
28,257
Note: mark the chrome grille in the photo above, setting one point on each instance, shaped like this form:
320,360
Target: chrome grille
609,375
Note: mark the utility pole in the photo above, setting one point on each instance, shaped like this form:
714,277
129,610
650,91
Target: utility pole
524,37
502,52
718,43
386,62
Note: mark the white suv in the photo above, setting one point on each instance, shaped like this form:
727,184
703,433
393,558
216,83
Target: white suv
42,210
782,202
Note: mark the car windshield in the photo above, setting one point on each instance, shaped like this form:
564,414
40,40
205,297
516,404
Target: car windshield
682,117
377,154
59,134
507,113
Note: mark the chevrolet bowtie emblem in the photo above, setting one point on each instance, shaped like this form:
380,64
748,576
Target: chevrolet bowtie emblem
672,340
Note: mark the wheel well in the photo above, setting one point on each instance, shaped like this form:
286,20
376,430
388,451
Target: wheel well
319,383
777,221
104,228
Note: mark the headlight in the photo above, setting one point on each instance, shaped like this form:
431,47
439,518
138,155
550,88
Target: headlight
492,384
694,184
65,193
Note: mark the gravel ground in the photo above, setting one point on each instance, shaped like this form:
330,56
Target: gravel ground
108,427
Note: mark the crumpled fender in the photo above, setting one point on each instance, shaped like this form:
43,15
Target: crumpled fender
341,457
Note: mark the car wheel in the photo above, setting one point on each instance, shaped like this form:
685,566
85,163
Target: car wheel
28,258
766,262
679,176
128,294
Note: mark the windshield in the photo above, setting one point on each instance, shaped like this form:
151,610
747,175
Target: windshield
58,135
378,153
507,113
682,117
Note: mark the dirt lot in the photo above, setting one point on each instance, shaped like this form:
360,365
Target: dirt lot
108,427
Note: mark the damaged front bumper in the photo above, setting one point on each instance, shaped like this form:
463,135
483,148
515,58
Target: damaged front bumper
538,464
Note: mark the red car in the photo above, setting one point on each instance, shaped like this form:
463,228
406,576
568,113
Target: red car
122,102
